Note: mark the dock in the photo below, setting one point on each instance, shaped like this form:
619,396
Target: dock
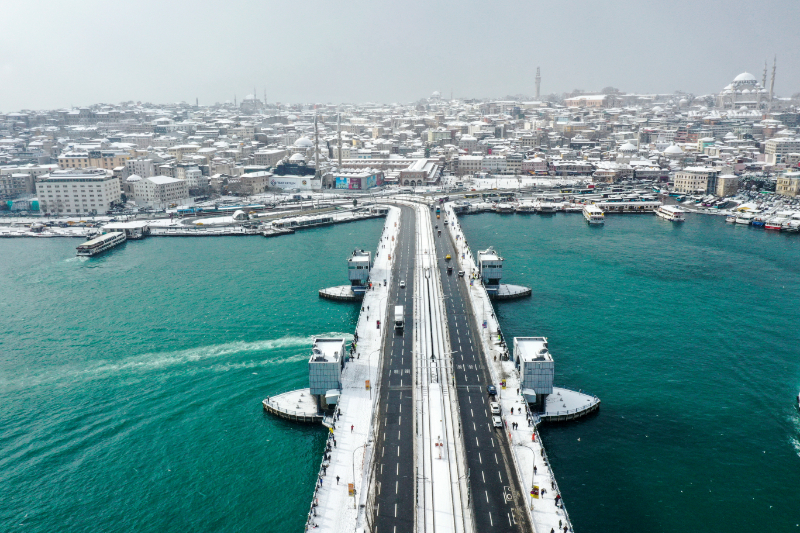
510,292
340,292
564,404
297,406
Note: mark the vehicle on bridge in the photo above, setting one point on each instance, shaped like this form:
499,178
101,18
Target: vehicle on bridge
495,408
399,318
447,257
492,390
449,270
497,421
402,284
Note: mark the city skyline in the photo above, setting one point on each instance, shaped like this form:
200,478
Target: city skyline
311,53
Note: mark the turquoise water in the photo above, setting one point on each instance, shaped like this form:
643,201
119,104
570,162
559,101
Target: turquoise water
131,383
690,335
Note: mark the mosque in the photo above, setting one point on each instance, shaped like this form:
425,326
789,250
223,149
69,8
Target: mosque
746,92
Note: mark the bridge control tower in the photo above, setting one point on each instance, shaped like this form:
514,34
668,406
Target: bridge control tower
536,368
490,267
325,371
358,267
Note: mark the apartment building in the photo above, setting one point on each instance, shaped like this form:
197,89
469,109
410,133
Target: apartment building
141,167
788,184
469,164
161,191
697,180
78,191
105,159
775,150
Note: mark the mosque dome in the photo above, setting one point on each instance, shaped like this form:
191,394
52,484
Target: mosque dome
730,135
436,94
303,142
672,149
745,77
297,158
134,177
627,147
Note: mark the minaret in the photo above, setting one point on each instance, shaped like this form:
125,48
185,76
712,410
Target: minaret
317,173
339,128
764,77
772,82
538,82
234,101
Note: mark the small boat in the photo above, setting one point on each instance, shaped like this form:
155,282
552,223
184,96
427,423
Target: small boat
774,223
744,218
759,221
730,218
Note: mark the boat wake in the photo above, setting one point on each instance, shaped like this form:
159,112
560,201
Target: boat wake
158,361
200,358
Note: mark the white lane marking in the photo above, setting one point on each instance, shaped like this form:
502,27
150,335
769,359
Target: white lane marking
396,485
398,451
491,522
480,459
483,477
487,498
495,459
398,470
501,477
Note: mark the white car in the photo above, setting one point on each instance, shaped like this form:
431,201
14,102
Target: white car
497,421
494,407
402,284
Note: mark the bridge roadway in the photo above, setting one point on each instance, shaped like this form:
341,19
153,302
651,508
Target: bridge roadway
498,503
394,465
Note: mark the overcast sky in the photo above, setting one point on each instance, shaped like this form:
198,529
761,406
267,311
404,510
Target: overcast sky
56,53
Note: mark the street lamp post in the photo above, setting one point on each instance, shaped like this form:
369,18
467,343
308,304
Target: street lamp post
354,474
533,468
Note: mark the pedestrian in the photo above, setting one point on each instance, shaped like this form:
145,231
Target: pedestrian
517,390
559,524
334,443
512,410
552,530
535,470
565,529
351,428
320,481
337,480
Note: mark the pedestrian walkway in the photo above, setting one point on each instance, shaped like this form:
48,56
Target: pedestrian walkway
530,458
334,507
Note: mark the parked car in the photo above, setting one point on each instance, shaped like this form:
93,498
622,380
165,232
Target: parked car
494,407
492,390
497,421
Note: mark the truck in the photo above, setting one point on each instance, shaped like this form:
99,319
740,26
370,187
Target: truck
399,318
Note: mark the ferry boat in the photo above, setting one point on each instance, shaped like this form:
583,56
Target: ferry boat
525,208
547,208
593,214
670,212
774,223
504,208
101,244
792,226
744,218
730,218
